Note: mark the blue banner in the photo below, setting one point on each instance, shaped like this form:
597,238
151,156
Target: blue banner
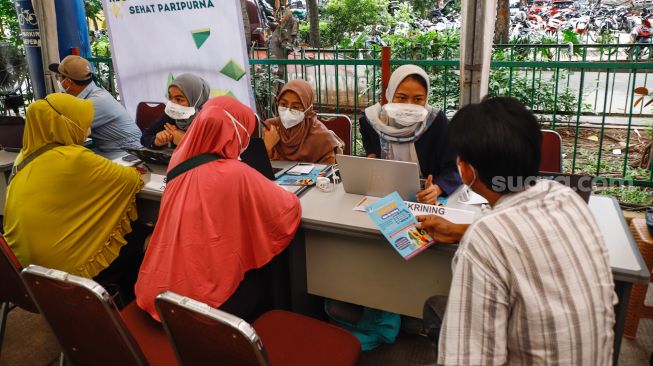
29,31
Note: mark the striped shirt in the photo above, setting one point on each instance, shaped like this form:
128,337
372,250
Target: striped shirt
531,285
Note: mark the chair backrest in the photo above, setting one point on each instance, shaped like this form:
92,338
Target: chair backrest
12,288
11,131
83,318
202,335
551,160
341,125
147,113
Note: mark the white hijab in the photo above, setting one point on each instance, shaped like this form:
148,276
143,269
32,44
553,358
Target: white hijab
397,141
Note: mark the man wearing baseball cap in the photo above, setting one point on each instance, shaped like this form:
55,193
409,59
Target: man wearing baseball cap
112,129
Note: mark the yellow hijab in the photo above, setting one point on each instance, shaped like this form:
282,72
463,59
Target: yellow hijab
69,208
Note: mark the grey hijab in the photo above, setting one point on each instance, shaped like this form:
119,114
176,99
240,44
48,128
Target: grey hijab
196,90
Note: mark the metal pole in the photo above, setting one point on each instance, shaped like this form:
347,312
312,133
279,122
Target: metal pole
385,72
478,18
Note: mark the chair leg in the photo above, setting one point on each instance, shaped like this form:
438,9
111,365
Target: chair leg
4,311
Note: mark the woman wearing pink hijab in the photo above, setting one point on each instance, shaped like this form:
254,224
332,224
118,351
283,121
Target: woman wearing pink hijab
217,220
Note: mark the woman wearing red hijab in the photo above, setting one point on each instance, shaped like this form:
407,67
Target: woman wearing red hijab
217,220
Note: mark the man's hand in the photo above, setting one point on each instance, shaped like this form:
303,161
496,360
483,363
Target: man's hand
441,230
176,133
430,193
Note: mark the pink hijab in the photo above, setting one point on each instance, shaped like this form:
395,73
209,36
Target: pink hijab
216,221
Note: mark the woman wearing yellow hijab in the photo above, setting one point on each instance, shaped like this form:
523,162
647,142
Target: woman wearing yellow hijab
67,208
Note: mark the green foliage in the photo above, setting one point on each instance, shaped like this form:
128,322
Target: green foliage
93,9
9,21
350,16
423,7
101,47
630,195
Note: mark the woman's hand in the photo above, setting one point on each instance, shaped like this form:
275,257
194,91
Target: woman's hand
162,138
176,133
441,230
430,193
271,138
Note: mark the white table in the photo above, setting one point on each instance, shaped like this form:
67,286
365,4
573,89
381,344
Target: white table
348,259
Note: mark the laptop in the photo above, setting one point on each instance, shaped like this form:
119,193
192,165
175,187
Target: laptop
11,134
377,177
581,184
161,157
256,156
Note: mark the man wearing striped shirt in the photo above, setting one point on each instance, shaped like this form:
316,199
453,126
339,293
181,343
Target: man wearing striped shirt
531,282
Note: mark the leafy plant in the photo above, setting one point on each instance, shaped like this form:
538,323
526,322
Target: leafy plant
9,28
350,16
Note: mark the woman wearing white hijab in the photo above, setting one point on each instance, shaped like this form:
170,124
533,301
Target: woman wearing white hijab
408,129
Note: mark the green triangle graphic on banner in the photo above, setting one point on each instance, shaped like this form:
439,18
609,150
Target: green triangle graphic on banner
222,92
200,36
233,70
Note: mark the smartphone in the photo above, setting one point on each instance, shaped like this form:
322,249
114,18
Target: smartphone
130,158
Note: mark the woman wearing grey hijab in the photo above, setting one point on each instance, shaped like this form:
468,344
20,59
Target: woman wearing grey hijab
186,96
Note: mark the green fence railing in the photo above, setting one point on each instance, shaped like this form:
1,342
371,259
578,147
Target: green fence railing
586,92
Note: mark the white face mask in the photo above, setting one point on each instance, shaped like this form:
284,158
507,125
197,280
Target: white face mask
61,87
176,111
240,142
467,188
290,117
406,114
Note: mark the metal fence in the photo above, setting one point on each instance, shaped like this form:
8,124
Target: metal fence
585,92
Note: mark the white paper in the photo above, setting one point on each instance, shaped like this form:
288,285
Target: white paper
456,216
474,199
367,200
300,169
157,182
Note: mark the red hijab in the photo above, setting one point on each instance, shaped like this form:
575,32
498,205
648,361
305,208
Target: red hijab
216,221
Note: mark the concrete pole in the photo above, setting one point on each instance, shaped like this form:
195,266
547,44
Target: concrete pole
45,12
478,17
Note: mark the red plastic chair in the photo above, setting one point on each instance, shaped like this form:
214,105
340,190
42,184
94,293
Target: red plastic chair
147,113
341,125
202,335
89,327
12,289
551,160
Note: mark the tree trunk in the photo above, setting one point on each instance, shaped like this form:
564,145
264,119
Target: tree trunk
314,23
502,28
